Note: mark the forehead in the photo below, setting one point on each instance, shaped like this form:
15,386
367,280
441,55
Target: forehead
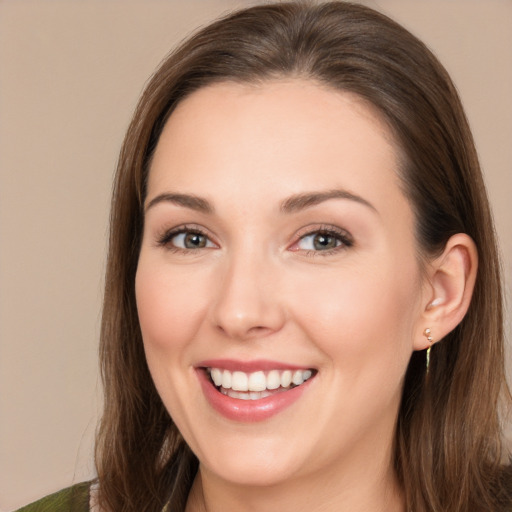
275,104
276,137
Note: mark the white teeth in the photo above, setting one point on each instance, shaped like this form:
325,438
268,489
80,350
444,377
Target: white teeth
216,376
240,381
286,378
256,383
273,379
297,378
226,379
251,395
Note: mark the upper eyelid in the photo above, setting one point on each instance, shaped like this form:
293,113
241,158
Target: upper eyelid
167,234
324,228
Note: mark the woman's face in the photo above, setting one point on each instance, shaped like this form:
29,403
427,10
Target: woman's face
278,245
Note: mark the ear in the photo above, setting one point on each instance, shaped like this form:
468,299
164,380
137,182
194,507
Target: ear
448,290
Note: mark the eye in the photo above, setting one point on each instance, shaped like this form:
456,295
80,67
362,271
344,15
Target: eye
319,242
190,240
186,239
323,240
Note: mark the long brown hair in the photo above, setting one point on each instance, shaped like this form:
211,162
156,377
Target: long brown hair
448,448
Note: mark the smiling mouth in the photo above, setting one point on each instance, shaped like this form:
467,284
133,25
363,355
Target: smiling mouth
257,385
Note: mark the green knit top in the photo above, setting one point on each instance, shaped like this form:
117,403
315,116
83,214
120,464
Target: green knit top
72,499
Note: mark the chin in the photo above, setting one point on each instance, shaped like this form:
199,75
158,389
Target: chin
256,474
256,465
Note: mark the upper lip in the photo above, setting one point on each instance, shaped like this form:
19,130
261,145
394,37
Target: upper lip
250,366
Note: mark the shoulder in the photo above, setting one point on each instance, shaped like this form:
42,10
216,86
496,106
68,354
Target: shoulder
72,499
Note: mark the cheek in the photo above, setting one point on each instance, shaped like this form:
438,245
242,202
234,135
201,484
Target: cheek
169,306
361,316
169,311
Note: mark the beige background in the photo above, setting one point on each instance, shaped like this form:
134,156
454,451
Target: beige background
71,73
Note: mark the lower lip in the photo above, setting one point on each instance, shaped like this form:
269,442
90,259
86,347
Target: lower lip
249,411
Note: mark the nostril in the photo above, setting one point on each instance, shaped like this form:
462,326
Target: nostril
243,330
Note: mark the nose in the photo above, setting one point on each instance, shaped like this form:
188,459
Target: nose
248,303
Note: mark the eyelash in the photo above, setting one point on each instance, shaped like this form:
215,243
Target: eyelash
340,235
165,239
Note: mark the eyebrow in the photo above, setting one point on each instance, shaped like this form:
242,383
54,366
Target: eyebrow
186,200
292,204
308,199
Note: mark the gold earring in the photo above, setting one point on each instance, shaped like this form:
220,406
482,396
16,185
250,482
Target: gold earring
427,332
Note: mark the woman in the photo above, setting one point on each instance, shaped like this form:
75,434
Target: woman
303,304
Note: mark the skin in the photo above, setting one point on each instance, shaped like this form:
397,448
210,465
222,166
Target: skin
258,290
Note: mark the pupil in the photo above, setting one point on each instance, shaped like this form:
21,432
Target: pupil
194,241
324,242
